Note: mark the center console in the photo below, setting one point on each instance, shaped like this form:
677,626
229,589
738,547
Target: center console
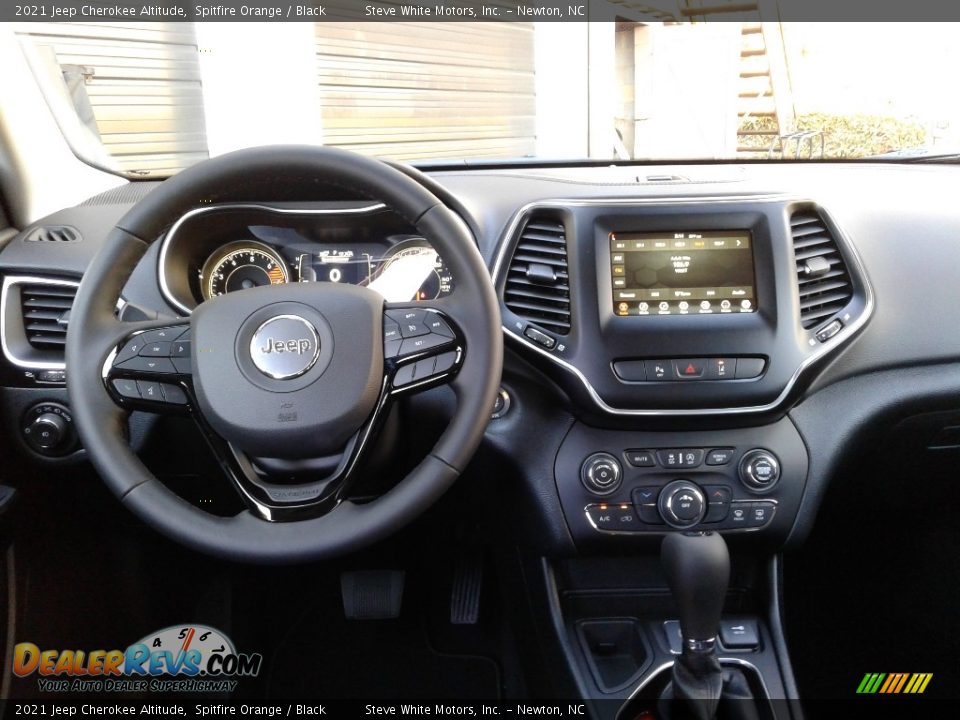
682,329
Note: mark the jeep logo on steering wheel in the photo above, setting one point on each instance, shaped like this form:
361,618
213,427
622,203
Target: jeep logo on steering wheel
284,347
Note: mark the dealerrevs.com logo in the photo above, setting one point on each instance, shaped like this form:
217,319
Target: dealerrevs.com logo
180,658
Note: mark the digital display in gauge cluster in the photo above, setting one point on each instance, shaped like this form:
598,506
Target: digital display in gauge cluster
408,270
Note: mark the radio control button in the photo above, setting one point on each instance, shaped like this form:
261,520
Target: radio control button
640,458
601,474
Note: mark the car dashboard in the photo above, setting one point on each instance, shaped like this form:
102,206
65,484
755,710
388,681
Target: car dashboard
689,347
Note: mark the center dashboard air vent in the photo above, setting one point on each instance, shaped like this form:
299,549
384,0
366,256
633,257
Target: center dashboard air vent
537,287
822,277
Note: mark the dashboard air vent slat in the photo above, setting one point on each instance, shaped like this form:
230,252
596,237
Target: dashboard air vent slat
822,278
537,287
54,233
46,311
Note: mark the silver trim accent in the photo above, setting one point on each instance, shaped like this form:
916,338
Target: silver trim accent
254,342
847,333
667,665
167,239
9,282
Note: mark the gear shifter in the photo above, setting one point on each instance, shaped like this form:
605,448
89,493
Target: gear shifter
697,566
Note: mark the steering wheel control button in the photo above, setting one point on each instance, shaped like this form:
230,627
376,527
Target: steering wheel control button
760,513
173,394
446,362
682,504
391,332
414,345
149,365
150,390
437,326
759,470
130,350
180,349
683,458
720,456
601,474
690,368
156,349
640,458
127,388
749,368
539,337
285,347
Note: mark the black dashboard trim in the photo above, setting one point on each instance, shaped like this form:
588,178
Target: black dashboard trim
856,267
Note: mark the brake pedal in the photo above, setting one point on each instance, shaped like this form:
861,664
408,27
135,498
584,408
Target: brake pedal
372,594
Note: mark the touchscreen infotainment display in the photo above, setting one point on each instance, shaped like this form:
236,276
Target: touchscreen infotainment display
682,273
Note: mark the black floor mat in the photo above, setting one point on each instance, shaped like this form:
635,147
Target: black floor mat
330,657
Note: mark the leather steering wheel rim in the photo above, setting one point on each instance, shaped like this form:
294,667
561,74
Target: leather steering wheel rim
95,329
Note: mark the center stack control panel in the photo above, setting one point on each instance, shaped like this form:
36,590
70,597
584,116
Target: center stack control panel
615,485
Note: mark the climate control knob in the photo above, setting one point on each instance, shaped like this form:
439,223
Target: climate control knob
682,504
601,473
759,470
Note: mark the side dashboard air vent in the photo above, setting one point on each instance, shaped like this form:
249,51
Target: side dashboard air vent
46,312
538,287
53,233
822,277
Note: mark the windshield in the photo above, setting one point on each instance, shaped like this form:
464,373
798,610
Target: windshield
149,99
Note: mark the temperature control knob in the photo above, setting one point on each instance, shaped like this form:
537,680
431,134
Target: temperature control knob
759,470
682,504
601,473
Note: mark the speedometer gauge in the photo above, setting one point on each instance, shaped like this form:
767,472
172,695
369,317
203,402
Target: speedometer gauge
241,265
412,270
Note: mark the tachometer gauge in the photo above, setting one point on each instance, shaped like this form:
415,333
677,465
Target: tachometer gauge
241,265
412,270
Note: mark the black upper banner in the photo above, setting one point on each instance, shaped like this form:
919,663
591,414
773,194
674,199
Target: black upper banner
99,11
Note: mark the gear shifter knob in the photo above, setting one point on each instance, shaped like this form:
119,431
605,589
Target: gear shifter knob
697,566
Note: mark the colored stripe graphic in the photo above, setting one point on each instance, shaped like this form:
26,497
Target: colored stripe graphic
894,683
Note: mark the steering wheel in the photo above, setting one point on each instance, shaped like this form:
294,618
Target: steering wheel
284,376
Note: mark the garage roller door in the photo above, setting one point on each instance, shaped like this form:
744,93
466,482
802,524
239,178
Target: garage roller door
427,90
144,89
